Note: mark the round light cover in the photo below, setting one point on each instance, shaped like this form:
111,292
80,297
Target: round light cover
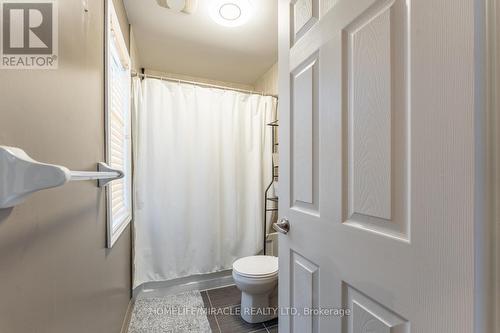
230,13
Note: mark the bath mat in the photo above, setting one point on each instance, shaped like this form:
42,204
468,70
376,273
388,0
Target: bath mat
171,314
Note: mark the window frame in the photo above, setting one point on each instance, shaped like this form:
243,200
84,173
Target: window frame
113,34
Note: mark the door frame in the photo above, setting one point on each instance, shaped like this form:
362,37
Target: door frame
487,190
487,166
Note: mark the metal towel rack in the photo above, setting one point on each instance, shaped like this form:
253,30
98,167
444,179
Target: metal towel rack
20,175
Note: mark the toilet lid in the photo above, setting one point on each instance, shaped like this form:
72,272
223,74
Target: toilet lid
256,266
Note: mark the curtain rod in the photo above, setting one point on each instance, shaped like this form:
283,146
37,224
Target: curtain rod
199,84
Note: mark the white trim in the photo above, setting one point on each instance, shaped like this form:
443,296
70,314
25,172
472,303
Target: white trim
128,316
117,35
487,163
492,73
193,282
113,31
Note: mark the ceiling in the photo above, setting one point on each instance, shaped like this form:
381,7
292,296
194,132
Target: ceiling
195,45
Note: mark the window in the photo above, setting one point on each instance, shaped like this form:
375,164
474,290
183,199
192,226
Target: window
118,127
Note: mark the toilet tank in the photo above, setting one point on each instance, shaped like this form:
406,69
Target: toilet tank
272,244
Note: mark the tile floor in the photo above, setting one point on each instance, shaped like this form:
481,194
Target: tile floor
230,298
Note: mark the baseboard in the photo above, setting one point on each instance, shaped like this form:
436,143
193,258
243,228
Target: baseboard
128,314
195,282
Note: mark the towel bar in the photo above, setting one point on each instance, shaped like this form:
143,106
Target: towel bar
20,176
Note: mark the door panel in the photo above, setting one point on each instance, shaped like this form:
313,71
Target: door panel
375,179
304,13
369,316
304,143
368,87
375,68
305,292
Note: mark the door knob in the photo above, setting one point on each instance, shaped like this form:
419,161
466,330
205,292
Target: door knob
282,226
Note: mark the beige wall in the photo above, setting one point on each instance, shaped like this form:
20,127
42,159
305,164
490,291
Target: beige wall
122,17
268,83
200,79
56,276
134,52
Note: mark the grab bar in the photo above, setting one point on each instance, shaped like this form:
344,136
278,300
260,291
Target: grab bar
20,175
104,175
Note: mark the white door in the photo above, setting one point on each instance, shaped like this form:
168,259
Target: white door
377,165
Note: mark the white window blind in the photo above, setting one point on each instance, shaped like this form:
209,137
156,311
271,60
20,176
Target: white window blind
118,128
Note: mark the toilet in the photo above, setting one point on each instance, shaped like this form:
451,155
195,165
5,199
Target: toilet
257,278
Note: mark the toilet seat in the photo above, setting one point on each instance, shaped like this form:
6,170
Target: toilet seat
256,267
257,278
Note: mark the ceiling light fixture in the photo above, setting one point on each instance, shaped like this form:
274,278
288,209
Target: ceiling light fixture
231,13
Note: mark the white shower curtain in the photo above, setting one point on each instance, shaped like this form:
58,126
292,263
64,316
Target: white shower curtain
202,161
